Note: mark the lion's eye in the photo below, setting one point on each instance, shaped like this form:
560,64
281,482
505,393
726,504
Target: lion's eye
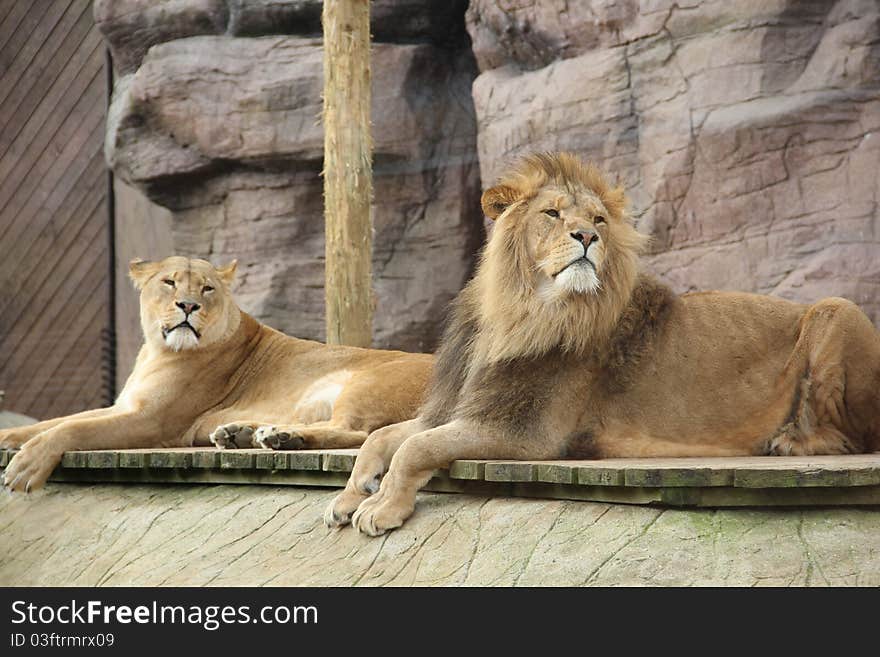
599,220
168,282
550,212
207,289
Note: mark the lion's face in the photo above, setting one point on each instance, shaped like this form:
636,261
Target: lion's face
566,233
566,229
185,303
561,261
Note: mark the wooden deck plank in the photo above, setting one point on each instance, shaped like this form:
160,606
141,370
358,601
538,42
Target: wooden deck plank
102,459
338,460
209,458
473,470
169,459
302,460
242,459
597,475
510,471
759,481
132,459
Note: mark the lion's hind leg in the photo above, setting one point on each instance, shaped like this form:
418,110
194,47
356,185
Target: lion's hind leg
369,399
837,399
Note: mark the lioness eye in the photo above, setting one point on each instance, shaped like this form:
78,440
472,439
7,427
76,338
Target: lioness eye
550,212
207,289
168,281
599,220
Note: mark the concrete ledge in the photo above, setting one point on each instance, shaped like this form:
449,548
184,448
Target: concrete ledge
746,481
217,535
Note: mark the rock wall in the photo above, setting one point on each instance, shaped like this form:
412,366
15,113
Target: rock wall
215,115
746,132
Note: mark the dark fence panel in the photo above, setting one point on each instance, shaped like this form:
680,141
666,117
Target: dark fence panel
56,346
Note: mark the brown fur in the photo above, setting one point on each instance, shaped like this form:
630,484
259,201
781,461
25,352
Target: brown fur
238,382
622,369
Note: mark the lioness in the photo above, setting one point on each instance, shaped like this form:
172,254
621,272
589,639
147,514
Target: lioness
559,347
210,373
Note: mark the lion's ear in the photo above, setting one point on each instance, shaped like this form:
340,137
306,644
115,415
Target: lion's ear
227,273
616,202
140,271
497,199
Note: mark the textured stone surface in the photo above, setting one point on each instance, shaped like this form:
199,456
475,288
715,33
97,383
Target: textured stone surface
223,130
131,27
747,133
254,535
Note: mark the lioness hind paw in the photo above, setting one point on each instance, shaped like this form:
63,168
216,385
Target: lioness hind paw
232,436
271,437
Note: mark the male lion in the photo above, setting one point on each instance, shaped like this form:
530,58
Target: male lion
206,364
559,347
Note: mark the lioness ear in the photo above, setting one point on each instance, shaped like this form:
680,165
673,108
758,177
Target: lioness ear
497,199
140,271
227,273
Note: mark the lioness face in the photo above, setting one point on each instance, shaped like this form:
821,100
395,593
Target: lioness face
185,303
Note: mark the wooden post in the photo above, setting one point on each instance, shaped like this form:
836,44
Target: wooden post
348,174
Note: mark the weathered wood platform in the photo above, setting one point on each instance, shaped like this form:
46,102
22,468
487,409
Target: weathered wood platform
722,482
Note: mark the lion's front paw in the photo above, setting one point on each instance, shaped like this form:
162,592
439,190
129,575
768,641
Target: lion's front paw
381,512
272,437
16,437
232,436
338,512
367,474
30,467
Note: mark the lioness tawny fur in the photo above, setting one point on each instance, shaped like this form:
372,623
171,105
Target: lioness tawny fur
209,372
559,347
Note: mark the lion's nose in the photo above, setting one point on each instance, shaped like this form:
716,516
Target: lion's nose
585,237
188,306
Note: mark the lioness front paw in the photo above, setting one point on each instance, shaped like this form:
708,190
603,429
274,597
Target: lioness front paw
338,512
232,436
16,437
30,467
272,437
379,513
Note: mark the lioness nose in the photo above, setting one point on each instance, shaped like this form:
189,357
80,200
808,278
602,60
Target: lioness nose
585,237
188,306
